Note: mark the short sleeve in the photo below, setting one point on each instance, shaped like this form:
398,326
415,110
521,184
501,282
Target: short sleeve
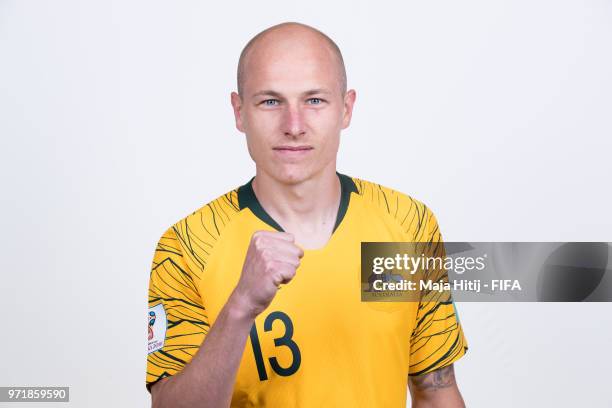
437,340
176,318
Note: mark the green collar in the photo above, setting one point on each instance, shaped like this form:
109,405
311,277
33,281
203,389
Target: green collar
247,199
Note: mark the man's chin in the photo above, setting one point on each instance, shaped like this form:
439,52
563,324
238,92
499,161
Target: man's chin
292,174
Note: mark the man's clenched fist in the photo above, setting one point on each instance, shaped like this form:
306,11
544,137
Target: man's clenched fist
272,259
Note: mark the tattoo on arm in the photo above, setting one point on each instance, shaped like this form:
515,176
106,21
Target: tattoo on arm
441,378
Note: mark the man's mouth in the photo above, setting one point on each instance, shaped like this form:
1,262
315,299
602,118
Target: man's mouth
293,148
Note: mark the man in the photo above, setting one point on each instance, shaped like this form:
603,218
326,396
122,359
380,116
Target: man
256,295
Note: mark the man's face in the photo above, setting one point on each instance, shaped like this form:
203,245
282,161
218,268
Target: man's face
292,108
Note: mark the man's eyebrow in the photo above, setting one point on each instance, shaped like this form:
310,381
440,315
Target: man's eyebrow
269,92
316,92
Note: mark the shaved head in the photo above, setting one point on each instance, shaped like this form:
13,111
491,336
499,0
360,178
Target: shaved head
296,33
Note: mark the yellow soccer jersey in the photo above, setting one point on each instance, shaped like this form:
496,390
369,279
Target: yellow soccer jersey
317,344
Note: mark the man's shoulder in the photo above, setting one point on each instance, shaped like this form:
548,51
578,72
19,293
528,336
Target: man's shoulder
387,199
210,219
410,214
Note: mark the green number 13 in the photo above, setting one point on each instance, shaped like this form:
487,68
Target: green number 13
285,340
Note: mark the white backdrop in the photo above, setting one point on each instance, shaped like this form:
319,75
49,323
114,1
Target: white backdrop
115,122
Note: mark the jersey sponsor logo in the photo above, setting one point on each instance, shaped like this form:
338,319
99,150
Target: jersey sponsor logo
156,323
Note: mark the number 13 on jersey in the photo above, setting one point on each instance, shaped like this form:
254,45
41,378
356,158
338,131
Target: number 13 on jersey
286,340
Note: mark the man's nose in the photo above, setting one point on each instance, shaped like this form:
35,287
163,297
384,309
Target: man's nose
293,121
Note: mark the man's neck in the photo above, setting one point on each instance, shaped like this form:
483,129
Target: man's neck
308,210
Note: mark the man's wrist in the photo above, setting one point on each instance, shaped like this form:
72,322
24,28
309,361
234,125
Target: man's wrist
239,309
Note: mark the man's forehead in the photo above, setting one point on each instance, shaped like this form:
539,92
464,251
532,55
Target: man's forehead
290,73
291,79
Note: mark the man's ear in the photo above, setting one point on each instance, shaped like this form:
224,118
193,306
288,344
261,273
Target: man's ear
237,106
349,102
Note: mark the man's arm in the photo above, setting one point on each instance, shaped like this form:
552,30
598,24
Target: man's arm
437,389
208,379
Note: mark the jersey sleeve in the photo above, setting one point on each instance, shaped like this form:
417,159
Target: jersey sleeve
176,318
437,340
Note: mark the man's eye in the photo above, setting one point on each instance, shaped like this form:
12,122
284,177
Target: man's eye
315,101
270,102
